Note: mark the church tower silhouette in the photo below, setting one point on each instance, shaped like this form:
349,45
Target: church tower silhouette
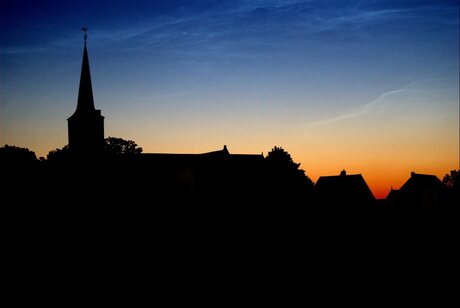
86,125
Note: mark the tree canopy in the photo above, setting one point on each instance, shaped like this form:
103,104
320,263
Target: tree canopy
285,172
13,154
58,154
452,180
113,146
278,156
118,146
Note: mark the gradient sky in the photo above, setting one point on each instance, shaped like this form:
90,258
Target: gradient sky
367,86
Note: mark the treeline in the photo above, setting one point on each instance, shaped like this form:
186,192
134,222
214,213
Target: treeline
119,172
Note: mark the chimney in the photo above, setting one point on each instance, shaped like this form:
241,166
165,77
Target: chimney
343,173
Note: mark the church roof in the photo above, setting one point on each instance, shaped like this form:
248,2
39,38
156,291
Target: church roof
184,159
219,153
224,153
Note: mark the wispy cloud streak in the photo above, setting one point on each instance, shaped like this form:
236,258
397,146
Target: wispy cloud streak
257,26
360,111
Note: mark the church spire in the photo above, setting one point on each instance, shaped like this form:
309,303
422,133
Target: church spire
86,125
85,93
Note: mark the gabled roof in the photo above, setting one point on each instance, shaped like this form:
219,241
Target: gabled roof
420,190
344,186
421,182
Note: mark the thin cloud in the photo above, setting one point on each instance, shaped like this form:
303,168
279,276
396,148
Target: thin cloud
247,27
253,23
252,26
362,110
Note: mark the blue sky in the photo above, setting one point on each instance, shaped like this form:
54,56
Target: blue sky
190,76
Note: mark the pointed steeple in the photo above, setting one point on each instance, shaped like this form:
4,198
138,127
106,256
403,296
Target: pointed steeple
85,93
86,125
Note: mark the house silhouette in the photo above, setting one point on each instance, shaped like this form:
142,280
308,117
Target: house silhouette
343,191
419,191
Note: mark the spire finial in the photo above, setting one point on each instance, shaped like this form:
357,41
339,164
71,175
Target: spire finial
86,36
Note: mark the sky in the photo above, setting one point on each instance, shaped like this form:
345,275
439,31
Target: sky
368,86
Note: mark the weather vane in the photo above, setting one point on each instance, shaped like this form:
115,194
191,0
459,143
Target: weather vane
86,36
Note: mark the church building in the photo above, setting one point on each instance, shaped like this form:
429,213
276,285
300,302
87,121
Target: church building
86,125
215,171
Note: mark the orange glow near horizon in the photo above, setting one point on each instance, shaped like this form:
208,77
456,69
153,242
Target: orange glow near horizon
383,147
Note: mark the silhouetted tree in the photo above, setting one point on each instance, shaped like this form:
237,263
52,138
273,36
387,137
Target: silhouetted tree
59,154
119,146
452,180
18,169
113,147
13,155
285,174
282,158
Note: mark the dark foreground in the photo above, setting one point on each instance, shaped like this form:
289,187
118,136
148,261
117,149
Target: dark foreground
117,228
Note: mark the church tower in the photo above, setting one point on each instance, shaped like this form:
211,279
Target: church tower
86,125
